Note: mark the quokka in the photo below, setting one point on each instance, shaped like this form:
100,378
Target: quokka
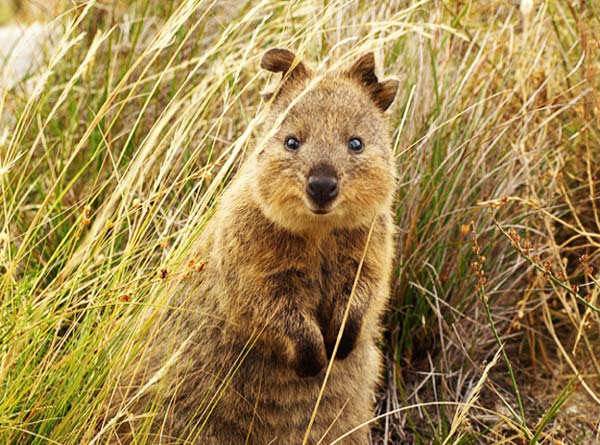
256,328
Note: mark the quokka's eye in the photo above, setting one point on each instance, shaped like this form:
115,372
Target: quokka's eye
355,145
291,143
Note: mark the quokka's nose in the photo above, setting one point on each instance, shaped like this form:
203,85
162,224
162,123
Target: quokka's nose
322,185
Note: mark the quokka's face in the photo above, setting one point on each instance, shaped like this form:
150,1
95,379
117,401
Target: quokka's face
326,160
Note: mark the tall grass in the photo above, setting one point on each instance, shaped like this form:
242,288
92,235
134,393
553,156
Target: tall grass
114,153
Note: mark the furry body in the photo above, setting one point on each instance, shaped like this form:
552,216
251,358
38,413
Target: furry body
278,278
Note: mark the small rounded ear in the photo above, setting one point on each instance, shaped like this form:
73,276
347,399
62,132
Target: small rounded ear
364,69
382,93
385,93
281,60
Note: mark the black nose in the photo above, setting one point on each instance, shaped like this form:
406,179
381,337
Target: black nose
322,185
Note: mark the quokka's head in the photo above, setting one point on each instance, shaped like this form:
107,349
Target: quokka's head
326,159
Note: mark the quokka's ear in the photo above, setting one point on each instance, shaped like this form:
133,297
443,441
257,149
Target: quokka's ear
280,60
382,93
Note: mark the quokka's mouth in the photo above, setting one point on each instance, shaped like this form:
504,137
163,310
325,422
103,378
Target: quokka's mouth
318,210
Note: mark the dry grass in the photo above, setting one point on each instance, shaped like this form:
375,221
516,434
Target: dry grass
114,153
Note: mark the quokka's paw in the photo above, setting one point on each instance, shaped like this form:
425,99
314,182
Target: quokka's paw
310,358
348,341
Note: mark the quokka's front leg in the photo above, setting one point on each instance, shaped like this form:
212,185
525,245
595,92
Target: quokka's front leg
352,326
283,315
346,296
357,275
305,349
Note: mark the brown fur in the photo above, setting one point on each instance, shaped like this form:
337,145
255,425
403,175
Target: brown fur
278,277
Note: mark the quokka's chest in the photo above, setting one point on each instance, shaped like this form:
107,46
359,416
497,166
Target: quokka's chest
332,270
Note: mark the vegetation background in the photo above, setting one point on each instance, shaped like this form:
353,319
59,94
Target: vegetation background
116,147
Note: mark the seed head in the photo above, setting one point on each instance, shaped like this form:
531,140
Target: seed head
163,273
